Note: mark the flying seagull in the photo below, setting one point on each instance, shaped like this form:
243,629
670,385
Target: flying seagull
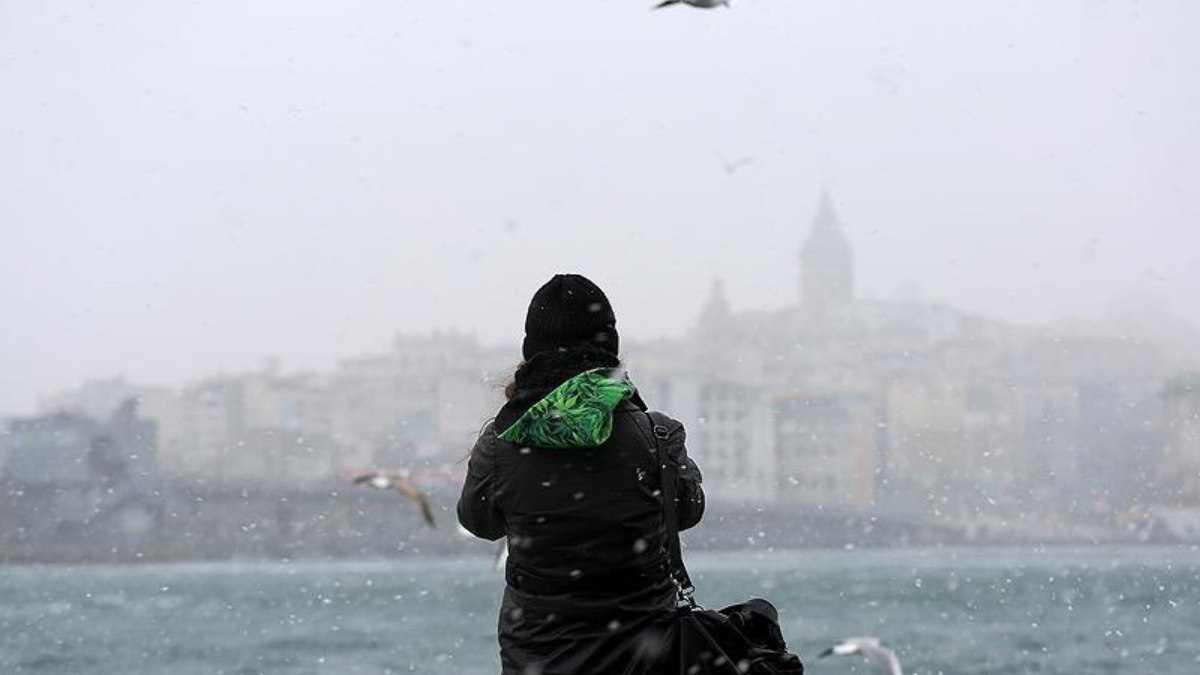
732,165
702,4
398,481
868,646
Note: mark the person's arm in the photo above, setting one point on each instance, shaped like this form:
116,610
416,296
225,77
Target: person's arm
477,510
688,491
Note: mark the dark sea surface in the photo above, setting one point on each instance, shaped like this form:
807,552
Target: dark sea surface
1007,610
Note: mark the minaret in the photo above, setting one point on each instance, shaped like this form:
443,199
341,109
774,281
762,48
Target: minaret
826,262
716,337
715,315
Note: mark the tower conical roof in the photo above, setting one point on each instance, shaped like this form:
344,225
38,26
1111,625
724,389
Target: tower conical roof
826,260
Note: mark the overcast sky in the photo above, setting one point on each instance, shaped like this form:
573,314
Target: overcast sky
187,187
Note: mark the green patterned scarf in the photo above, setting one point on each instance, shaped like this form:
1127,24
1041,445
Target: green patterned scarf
576,414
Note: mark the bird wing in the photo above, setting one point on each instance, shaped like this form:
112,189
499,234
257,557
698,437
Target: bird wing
885,656
405,487
732,165
893,664
667,3
364,477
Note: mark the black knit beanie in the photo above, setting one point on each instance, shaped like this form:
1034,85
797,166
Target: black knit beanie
567,311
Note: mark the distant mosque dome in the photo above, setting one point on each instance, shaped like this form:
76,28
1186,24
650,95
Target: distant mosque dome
826,262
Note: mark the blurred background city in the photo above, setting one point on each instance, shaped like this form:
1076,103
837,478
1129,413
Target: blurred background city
833,420
921,278
909,272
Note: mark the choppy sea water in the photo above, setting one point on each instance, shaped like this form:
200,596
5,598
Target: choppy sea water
961,611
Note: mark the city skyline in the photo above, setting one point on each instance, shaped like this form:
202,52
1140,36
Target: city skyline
932,419
825,209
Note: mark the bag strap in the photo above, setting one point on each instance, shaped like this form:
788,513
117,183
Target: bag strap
668,478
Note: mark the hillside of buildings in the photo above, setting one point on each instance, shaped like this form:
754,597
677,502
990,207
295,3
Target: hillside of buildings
834,421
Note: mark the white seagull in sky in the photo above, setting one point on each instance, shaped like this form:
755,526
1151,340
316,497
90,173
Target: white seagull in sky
868,646
702,4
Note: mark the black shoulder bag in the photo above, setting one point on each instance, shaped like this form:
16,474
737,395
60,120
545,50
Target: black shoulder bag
738,640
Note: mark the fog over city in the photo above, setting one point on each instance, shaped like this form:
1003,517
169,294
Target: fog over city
188,189
916,284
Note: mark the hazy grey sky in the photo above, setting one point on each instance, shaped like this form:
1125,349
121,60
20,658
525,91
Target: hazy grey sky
187,187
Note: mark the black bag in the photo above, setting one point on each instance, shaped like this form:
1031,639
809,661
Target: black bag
742,639
717,643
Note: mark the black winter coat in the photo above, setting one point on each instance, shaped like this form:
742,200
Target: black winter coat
589,588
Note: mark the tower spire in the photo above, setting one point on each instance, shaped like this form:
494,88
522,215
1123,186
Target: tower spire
716,311
825,217
826,261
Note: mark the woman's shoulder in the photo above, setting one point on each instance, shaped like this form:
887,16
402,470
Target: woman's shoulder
487,438
648,419
663,418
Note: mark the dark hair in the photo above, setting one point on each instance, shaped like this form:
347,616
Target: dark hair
510,387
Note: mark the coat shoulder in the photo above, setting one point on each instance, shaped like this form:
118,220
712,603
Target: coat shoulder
673,425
